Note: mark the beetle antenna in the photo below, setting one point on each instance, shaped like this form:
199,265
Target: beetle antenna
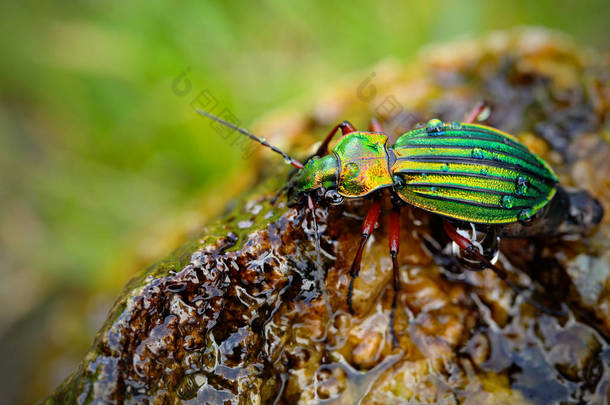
287,158
278,194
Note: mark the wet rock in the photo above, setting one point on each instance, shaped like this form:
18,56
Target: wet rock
589,275
239,315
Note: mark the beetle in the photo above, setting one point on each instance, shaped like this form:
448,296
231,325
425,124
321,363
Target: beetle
464,172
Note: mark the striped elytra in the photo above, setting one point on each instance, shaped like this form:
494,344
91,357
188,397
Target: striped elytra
471,172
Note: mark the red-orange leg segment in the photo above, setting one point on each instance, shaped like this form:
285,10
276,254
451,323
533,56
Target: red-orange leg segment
473,115
375,125
468,248
346,127
367,228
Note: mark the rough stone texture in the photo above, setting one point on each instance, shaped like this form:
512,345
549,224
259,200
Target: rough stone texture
238,316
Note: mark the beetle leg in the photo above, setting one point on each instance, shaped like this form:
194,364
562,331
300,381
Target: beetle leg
346,127
367,228
394,239
278,194
467,247
474,114
375,125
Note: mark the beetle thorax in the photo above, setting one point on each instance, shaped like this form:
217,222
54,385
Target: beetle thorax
363,163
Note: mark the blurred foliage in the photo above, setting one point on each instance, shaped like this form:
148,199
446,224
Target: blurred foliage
95,145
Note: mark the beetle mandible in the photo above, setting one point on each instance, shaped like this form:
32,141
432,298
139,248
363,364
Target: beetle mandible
465,172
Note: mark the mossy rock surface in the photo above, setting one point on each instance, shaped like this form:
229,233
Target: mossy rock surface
237,316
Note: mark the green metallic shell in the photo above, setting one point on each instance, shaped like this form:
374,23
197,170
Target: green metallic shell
471,172
363,161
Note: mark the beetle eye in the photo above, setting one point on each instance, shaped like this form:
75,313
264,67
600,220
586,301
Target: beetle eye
333,197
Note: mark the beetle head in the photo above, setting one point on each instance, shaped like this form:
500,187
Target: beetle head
317,178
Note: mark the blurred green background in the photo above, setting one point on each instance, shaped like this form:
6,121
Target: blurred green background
100,157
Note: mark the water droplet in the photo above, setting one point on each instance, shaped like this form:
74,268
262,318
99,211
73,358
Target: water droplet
434,189
255,209
434,126
424,176
445,167
484,171
455,125
508,201
477,153
431,149
245,224
521,185
287,160
525,216
433,123
187,387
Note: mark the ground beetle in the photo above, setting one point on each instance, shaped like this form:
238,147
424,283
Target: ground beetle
464,172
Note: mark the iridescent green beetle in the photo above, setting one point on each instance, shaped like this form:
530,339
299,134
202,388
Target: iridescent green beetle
465,172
